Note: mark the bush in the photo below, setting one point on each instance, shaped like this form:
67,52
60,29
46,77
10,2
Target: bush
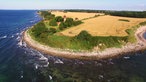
59,19
45,13
124,20
84,35
62,26
49,17
38,29
142,23
77,23
53,22
69,22
52,31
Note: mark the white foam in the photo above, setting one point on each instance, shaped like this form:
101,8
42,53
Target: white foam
21,76
18,38
43,59
126,57
50,77
39,60
24,44
36,66
100,76
17,33
3,37
32,21
58,61
20,43
12,36
99,64
46,65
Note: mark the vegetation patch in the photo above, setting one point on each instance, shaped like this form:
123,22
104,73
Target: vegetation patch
83,41
131,34
124,20
142,23
133,14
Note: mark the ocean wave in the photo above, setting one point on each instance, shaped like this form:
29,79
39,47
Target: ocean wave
20,43
12,36
126,57
32,21
36,58
58,61
50,77
3,37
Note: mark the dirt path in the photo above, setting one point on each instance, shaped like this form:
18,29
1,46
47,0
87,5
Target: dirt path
107,53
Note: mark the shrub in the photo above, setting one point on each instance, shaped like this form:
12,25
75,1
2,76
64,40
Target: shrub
49,17
59,19
53,22
77,23
84,35
124,20
52,31
69,22
62,26
45,13
38,29
142,23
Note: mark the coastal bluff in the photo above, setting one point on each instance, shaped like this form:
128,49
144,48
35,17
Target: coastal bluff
95,55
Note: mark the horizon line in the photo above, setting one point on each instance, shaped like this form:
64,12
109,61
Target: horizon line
77,9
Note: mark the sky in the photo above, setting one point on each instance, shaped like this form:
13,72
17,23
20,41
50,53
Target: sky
75,4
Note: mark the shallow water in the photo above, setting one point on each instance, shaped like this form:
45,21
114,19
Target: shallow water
19,63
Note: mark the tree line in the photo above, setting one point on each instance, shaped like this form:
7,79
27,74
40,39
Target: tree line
62,22
135,14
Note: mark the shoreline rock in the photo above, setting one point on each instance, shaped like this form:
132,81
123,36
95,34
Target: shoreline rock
107,53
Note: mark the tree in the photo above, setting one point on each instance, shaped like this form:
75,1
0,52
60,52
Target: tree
59,19
45,13
53,22
84,35
49,17
62,26
38,29
69,22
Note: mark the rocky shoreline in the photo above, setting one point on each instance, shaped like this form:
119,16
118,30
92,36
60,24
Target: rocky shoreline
107,53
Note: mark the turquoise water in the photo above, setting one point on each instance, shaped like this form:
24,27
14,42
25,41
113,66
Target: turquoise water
19,63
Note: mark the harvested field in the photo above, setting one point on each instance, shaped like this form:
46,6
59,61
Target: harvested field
79,15
104,26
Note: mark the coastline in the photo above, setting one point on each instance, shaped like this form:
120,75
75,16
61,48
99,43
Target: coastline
107,53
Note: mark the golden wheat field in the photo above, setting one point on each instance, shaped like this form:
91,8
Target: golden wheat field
104,26
79,15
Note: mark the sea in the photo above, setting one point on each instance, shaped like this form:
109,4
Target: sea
20,63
